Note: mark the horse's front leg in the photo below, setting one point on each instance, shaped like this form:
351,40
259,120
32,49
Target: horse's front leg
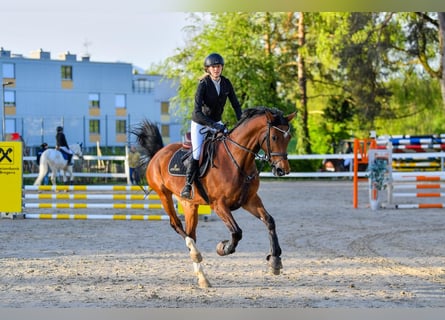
255,206
227,247
71,177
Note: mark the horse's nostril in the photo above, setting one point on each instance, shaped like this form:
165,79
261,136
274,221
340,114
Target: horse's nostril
279,172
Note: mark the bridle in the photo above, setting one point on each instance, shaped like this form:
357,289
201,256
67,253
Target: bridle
264,158
269,153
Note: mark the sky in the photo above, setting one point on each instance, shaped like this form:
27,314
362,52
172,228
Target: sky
141,32
106,30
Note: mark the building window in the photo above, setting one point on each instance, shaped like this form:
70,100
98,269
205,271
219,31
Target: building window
143,85
94,101
121,126
9,70
165,106
94,126
165,130
120,101
9,98
67,73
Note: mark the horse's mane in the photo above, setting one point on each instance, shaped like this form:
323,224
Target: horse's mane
256,111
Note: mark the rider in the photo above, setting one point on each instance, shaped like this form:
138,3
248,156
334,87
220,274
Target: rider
210,99
62,144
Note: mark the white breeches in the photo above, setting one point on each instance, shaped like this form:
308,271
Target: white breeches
197,133
66,150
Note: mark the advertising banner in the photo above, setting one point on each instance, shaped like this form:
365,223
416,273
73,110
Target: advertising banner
11,167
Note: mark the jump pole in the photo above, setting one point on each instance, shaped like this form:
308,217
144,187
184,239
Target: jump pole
66,196
77,216
85,188
93,206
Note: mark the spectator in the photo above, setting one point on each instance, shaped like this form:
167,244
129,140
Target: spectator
133,163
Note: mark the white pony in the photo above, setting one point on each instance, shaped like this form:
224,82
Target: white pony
53,159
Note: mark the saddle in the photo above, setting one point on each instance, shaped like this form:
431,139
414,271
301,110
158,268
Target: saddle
65,155
177,167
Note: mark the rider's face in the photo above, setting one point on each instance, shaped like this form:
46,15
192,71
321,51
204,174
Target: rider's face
215,71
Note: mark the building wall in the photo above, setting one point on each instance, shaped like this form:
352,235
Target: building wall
43,100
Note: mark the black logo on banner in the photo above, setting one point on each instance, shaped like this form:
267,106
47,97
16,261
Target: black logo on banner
6,155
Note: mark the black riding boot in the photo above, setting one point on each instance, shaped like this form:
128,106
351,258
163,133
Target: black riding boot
70,156
190,175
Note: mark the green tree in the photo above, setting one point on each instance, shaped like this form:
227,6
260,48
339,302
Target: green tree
242,39
425,41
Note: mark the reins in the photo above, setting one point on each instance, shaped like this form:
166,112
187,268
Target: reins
263,158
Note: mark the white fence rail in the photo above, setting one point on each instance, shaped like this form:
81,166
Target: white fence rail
124,175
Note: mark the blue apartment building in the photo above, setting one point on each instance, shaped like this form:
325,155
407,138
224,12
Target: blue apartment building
95,102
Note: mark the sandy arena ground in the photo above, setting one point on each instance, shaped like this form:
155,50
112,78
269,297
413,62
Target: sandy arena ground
333,256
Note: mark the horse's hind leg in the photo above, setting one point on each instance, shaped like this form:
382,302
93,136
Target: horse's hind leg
189,235
53,176
43,169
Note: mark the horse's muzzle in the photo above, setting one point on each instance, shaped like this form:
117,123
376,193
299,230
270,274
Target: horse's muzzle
280,170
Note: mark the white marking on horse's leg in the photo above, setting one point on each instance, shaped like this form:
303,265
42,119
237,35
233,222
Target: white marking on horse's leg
202,279
194,252
197,267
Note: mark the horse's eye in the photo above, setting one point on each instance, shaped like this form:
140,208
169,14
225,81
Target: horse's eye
274,138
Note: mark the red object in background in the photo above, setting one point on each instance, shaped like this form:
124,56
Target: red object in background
15,136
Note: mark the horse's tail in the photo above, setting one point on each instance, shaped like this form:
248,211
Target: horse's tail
149,138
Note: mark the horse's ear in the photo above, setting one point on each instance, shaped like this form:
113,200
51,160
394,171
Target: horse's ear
289,117
269,116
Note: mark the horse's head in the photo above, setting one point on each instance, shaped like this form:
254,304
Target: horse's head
77,149
276,140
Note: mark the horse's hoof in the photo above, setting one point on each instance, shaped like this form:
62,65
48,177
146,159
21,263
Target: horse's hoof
274,271
275,264
220,248
204,283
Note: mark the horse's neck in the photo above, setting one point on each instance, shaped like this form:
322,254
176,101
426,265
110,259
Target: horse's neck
244,146
247,136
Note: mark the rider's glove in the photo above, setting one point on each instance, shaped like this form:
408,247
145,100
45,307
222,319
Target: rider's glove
219,127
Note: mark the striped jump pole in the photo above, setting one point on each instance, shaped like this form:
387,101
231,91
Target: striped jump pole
419,195
420,186
85,188
420,206
87,216
93,206
420,177
67,196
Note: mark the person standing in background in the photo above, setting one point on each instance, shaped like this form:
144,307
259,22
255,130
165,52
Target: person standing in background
133,163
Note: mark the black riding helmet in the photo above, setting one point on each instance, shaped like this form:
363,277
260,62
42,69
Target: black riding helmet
213,59
59,129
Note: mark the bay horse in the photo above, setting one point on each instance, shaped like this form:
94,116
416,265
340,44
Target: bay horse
53,159
231,182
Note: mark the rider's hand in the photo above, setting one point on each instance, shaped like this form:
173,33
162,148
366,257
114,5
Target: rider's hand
219,127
